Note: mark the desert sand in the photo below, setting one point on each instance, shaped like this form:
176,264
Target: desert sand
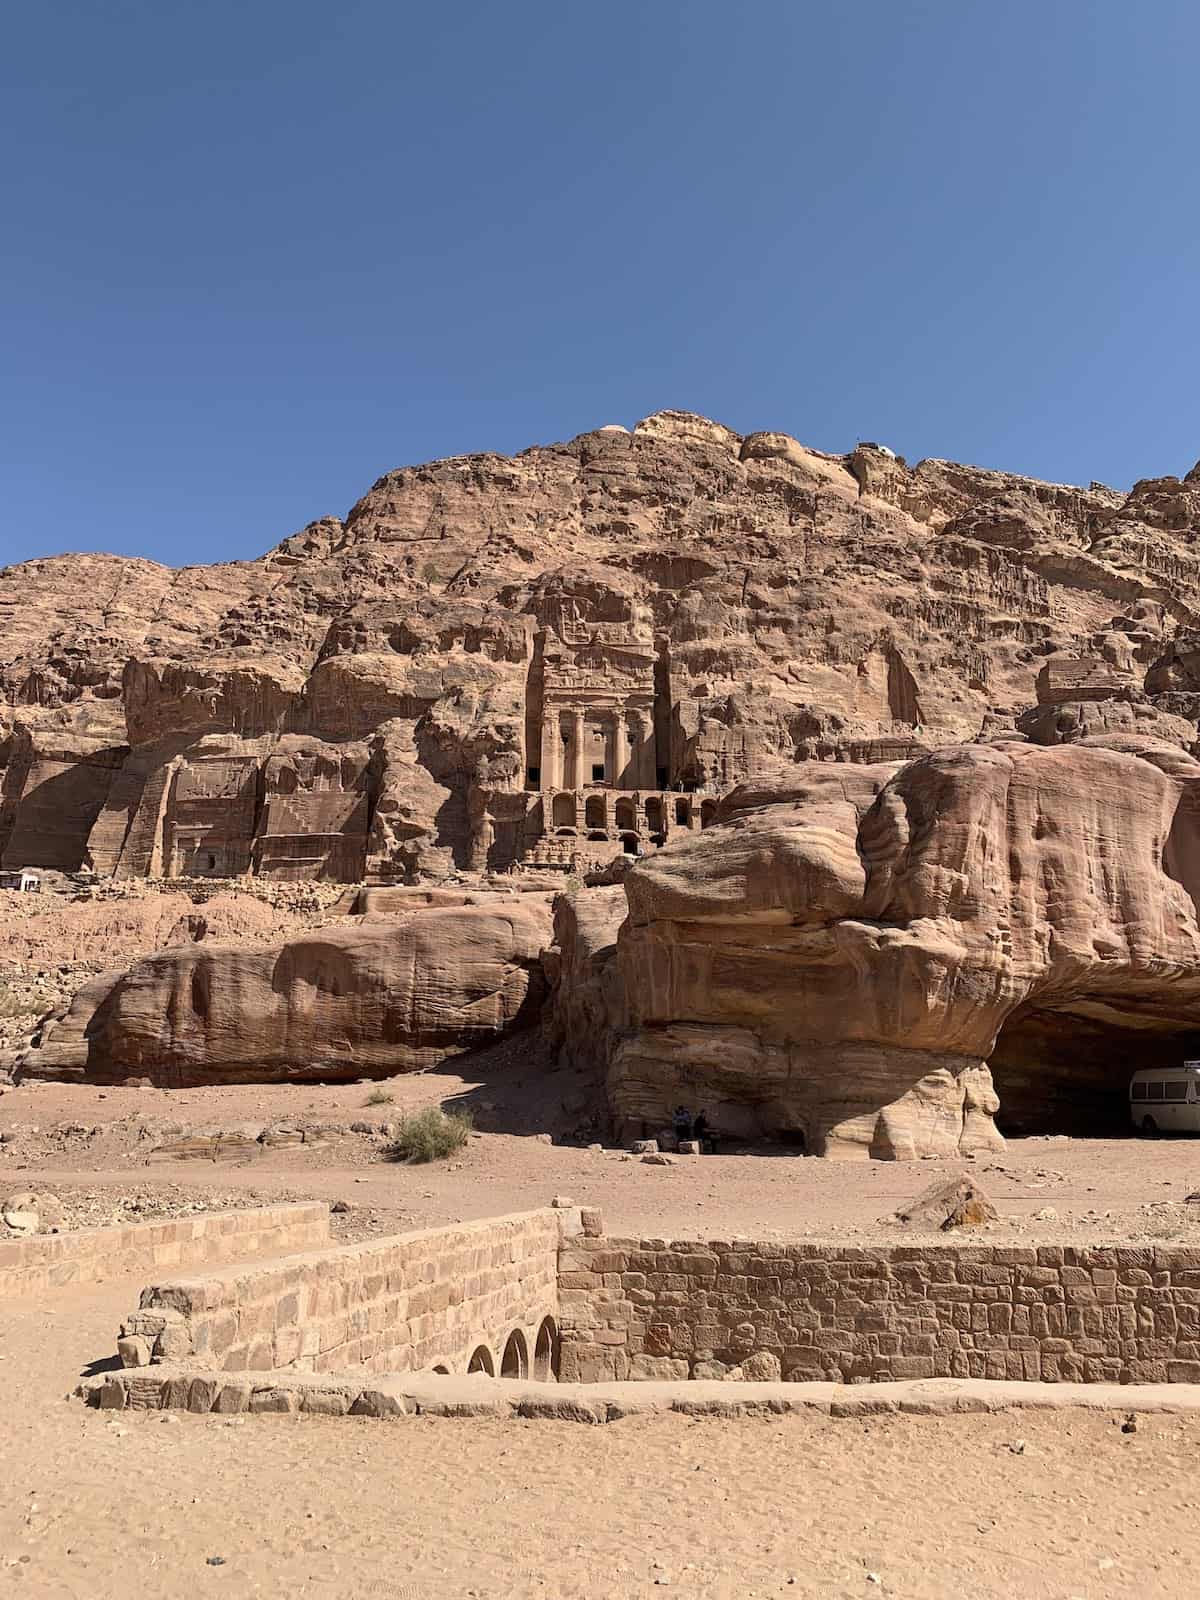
94,1505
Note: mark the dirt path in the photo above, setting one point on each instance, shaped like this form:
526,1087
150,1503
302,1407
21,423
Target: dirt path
95,1506
99,1506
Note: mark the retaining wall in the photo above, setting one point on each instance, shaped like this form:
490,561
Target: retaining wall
400,1304
652,1308
91,1255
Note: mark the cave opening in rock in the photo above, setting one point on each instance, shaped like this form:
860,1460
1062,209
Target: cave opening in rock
793,1139
1059,1071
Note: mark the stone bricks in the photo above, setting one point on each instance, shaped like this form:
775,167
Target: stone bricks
92,1255
911,1311
400,1303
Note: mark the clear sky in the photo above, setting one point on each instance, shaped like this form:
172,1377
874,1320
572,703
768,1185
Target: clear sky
255,254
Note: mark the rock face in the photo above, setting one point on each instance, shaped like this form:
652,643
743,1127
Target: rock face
840,958
367,998
573,653
946,1204
904,758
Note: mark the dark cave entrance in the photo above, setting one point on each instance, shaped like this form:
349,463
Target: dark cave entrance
1066,1072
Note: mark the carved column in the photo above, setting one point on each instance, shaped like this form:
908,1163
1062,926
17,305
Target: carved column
580,774
637,770
551,749
620,744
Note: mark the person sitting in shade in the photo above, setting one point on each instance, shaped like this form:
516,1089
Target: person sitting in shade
682,1122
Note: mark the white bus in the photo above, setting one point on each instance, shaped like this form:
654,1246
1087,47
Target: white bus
1166,1099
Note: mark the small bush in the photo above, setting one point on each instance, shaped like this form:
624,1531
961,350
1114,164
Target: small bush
430,1135
379,1097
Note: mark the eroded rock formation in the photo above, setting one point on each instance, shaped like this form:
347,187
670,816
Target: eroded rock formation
548,659
874,960
904,756
367,997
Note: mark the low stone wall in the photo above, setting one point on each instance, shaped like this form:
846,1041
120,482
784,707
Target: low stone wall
422,1394
91,1255
416,1300
653,1308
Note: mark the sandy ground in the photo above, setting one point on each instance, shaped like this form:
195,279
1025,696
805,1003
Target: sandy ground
1044,1188
93,1505
96,1506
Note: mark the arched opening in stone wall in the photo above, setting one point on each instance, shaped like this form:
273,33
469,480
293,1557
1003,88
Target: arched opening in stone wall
545,1351
441,1370
708,810
1056,1071
514,1363
629,844
566,833
626,815
683,812
598,836
654,818
595,811
481,1361
563,810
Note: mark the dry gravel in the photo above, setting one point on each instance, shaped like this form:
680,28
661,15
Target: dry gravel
931,1508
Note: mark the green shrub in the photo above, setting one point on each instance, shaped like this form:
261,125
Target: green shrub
430,1135
379,1097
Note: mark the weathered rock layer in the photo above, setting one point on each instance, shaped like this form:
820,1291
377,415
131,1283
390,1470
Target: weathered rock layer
839,959
370,997
496,660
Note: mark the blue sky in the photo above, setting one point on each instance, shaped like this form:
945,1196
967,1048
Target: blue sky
256,254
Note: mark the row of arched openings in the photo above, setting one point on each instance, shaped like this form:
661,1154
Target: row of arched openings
595,812
514,1356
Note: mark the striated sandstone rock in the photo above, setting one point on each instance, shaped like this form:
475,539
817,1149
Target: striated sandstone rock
948,1203
839,959
460,674
364,999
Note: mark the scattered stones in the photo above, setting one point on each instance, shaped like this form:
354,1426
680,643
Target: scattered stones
658,1159
949,1203
29,1212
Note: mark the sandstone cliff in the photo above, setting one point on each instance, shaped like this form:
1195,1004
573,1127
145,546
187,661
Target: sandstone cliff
384,696
368,996
877,960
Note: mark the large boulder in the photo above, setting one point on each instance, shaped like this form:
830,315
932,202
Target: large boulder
836,960
367,999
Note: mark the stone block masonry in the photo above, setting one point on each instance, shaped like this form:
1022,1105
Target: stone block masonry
659,1309
91,1255
483,1294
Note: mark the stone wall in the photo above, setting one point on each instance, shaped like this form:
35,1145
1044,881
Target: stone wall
91,1255
654,1308
401,1304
